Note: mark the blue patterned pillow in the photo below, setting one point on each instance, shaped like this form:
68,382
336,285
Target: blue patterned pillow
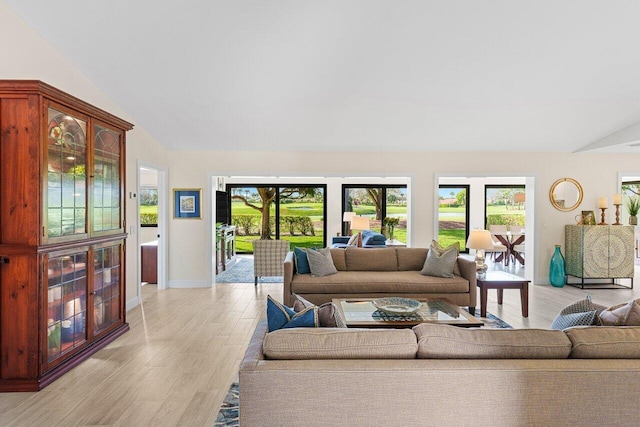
280,316
302,261
580,313
564,321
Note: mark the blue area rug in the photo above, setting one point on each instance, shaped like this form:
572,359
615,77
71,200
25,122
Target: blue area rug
229,413
242,272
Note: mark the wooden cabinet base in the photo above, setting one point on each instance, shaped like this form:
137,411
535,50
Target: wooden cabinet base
18,385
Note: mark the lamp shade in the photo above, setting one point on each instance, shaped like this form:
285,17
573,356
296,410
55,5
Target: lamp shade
347,216
479,239
360,223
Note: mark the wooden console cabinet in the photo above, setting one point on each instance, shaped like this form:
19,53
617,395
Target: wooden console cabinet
149,261
600,252
62,232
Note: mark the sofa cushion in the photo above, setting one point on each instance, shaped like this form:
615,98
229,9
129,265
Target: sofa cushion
385,282
301,261
337,343
411,258
280,316
339,259
604,342
452,342
440,264
375,259
321,262
625,314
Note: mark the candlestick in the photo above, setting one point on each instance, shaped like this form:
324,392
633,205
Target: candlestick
602,203
617,214
602,217
617,199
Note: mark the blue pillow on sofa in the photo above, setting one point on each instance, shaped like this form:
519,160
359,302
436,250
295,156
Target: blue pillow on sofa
371,238
302,261
280,316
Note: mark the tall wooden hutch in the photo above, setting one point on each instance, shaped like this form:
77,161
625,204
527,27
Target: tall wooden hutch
62,232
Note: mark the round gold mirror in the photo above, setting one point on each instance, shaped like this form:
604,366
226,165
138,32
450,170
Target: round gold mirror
566,194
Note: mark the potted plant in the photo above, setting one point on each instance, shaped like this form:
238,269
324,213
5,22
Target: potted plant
633,206
390,223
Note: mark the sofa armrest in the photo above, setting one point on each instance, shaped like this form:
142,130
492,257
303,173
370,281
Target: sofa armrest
340,239
289,270
468,271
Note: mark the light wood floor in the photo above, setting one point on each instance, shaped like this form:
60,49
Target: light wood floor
175,365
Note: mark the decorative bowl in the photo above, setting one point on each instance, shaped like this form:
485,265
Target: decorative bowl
397,305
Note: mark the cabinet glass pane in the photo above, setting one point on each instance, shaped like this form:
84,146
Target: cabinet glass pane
106,173
66,165
106,303
66,303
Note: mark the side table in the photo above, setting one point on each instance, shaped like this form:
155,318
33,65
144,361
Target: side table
500,280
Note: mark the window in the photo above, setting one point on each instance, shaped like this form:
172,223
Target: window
504,205
379,203
453,215
290,212
148,207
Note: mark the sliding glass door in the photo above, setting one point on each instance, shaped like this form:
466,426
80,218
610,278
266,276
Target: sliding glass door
384,205
292,212
453,215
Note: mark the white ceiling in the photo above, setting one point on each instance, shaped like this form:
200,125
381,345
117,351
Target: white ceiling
359,75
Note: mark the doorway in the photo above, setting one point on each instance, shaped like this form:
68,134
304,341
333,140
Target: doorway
152,220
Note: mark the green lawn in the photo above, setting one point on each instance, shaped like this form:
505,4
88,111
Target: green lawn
144,209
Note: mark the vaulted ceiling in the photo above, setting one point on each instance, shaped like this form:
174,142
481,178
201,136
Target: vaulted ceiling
425,75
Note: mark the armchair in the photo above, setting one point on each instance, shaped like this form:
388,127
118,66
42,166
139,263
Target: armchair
268,258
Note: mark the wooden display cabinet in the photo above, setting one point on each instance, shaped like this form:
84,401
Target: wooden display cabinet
62,232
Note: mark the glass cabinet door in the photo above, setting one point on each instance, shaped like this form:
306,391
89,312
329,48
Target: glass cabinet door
106,287
66,165
106,180
66,303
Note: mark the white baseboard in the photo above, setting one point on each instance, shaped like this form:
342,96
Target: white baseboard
132,303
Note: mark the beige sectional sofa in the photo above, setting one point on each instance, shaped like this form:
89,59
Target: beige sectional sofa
375,273
436,375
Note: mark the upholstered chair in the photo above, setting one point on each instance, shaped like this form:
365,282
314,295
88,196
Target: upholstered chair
268,258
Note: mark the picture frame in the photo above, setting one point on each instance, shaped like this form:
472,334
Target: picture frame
588,218
187,203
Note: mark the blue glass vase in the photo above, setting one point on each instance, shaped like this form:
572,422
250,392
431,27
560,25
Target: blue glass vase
557,274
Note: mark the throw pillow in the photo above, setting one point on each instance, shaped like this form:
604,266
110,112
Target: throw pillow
439,265
302,262
353,240
280,316
580,313
626,314
436,246
321,262
328,316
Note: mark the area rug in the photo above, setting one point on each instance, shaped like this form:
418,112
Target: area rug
228,415
242,272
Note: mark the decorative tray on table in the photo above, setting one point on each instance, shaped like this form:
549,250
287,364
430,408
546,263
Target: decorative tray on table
397,305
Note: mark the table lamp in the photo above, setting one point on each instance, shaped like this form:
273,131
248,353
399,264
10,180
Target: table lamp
347,217
360,223
480,240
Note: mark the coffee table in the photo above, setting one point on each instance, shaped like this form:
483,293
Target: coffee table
500,280
361,313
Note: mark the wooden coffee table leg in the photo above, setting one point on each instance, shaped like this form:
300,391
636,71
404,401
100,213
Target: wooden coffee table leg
500,294
483,300
524,299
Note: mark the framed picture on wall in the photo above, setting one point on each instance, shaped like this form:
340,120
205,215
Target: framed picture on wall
187,203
